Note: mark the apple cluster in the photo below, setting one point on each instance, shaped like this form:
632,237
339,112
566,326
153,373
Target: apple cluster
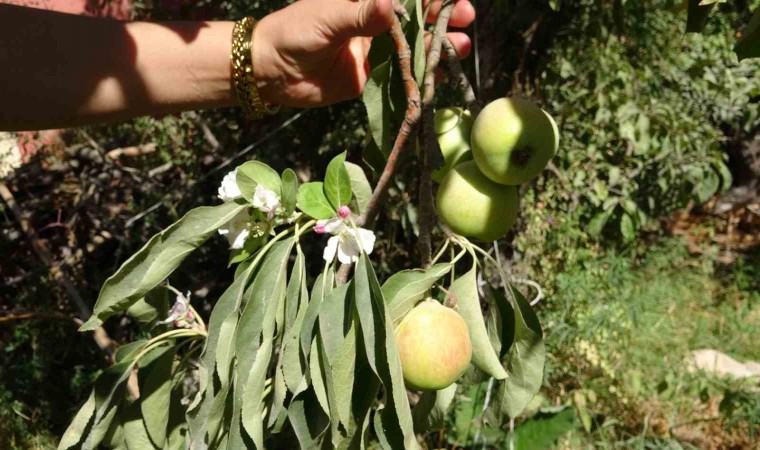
509,143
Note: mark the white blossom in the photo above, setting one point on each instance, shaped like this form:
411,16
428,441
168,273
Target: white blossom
237,230
349,243
229,189
332,226
180,310
266,200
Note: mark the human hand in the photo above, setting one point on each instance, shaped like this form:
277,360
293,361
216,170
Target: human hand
314,52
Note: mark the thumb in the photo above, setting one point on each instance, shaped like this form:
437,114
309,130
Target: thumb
363,18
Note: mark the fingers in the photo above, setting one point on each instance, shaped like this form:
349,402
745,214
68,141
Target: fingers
460,41
365,18
461,17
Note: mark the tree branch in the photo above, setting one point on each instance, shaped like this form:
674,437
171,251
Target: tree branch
468,94
411,117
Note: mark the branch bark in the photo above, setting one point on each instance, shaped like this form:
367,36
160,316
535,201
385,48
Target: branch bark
457,72
411,117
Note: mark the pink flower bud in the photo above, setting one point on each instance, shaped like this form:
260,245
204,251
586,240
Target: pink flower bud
319,228
189,316
344,212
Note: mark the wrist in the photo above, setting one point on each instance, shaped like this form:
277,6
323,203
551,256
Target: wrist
266,67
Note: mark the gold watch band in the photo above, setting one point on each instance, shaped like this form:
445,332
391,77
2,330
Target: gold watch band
242,70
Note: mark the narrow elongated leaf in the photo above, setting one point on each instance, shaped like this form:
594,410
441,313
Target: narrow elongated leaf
217,353
430,411
404,289
76,430
293,365
376,95
157,259
151,308
268,291
524,361
289,191
382,353
317,377
254,173
337,182
359,186
334,319
343,369
308,420
322,286
465,289
134,429
313,202
155,394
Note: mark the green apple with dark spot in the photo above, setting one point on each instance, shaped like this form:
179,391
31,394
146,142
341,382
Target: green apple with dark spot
474,206
433,345
512,140
453,127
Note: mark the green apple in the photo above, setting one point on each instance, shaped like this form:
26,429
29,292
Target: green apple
434,346
474,206
453,127
513,140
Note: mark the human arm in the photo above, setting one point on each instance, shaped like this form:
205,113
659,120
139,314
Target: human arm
64,70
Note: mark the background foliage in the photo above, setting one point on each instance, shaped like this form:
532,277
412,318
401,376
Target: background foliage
652,122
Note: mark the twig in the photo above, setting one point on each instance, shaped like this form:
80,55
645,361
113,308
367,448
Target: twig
430,149
468,94
411,117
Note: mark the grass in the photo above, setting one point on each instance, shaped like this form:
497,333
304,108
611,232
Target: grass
620,332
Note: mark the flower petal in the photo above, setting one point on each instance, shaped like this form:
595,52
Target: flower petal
238,241
333,226
366,239
330,249
348,250
229,189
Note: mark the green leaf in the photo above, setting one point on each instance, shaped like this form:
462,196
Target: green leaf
359,186
289,191
335,314
343,369
382,354
308,420
129,350
157,259
313,202
376,95
627,229
524,361
134,429
76,430
697,16
292,365
337,185
155,394
268,290
151,308
707,186
254,173
597,223
465,289
322,285
543,431
748,45
317,375
416,34
431,409
404,289
218,355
